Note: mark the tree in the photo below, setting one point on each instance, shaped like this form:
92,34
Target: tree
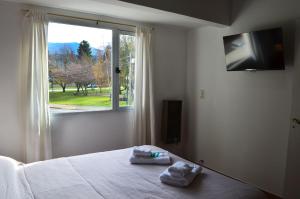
67,56
61,77
84,49
107,63
102,69
127,54
82,74
58,67
80,70
99,73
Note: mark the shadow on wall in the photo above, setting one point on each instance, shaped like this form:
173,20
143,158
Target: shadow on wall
289,29
240,7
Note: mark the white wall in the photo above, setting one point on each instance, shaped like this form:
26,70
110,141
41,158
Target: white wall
241,127
10,132
169,73
80,133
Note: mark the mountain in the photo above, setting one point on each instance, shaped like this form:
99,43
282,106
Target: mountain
58,47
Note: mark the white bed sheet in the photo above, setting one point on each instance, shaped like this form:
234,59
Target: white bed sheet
109,175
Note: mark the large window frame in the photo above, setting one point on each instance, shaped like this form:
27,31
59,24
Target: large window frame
117,30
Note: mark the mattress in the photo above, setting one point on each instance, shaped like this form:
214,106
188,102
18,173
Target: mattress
109,175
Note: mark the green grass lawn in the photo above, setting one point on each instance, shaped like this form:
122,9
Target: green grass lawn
94,98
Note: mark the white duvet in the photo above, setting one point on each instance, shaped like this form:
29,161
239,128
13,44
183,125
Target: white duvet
109,175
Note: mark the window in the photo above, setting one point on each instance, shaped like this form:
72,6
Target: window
90,68
126,66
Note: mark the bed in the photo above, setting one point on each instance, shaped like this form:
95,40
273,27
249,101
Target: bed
109,175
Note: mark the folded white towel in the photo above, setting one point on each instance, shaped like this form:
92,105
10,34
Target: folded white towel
167,178
155,158
180,169
141,151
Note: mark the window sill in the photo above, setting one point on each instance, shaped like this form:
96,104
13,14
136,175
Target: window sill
55,112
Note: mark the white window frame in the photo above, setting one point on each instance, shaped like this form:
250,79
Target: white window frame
116,31
120,32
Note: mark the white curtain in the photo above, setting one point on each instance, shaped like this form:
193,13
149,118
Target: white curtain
144,120
34,69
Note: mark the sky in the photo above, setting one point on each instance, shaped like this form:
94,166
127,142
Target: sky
65,33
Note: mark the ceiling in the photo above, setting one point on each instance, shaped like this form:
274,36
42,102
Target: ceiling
123,10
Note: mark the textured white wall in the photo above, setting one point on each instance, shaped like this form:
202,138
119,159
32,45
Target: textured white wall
10,35
80,133
241,127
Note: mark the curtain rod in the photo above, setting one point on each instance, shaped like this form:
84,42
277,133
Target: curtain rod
87,19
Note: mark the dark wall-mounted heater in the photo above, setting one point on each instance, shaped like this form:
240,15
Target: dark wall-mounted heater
171,121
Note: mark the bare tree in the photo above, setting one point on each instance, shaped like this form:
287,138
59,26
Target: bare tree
58,67
61,77
81,74
102,69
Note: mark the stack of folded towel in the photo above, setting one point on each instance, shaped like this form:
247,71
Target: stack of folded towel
180,174
142,155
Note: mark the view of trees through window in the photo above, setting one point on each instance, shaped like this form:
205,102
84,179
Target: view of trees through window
80,68
126,65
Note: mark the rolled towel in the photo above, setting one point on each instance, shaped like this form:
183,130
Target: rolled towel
141,151
167,178
180,169
155,158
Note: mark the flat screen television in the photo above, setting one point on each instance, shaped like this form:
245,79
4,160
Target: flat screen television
258,50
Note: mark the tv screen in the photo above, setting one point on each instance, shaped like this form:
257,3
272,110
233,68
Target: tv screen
258,50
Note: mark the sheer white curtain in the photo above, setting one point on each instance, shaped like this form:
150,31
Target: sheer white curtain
34,67
144,120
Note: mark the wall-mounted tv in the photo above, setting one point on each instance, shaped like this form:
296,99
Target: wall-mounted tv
258,50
